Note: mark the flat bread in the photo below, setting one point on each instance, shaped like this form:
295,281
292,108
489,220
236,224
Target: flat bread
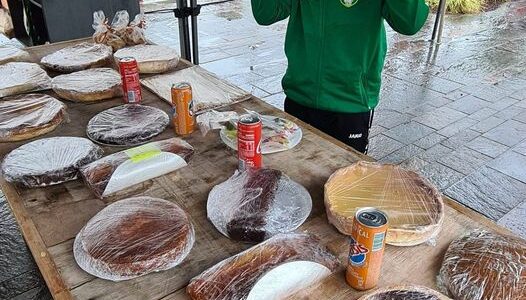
134,237
78,57
404,292
27,116
11,53
151,59
22,77
88,85
413,206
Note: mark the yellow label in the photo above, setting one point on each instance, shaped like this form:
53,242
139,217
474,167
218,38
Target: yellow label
143,152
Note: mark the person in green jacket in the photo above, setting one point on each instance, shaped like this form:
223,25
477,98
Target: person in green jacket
336,51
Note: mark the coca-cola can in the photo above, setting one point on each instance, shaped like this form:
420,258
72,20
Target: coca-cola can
249,142
131,85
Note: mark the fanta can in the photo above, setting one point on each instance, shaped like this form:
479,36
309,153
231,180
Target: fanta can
367,245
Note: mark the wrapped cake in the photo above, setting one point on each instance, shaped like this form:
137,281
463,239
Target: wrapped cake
22,77
11,53
151,59
134,237
88,85
404,292
255,205
78,57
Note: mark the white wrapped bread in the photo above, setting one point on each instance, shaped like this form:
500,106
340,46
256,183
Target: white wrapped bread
134,237
257,204
404,292
414,207
151,59
274,269
22,77
11,53
88,85
78,57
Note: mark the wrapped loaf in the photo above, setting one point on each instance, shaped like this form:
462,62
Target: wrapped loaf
88,85
255,205
274,269
485,266
22,77
11,53
404,292
124,169
134,237
78,57
151,59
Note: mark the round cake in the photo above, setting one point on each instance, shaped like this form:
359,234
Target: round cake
78,57
10,54
27,116
151,59
404,292
134,237
485,266
127,125
49,161
22,77
413,206
88,85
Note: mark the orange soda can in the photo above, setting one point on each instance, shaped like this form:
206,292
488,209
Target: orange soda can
183,117
369,230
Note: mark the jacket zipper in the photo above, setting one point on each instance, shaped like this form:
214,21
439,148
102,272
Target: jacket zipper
322,47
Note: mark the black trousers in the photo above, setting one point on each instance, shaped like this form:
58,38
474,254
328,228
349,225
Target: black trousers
350,128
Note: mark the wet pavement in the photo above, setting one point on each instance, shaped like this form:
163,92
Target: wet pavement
457,115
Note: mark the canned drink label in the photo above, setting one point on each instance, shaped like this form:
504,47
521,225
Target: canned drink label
357,253
378,241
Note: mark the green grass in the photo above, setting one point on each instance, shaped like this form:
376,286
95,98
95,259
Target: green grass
464,6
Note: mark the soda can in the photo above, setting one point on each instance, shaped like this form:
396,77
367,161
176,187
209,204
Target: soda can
183,117
131,85
367,246
249,128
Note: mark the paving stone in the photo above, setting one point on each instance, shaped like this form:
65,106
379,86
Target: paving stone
421,109
510,112
21,283
271,85
487,146
457,127
434,153
441,176
442,85
380,146
464,160
503,103
520,148
482,114
244,78
514,83
469,104
413,164
438,102
389,118
457,94
440,117
487,124
489,192
515,220
508,133
402,154
38,293
520,94
376,130
409,132
276,100
521,103
521,117
429,140
254,90
512,164
460,139
486,92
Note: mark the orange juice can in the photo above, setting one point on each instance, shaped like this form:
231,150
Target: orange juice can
369,231
183,117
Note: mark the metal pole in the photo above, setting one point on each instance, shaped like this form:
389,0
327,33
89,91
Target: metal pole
195,34
184,34
439,21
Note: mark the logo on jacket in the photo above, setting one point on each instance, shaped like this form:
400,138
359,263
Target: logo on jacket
348,3
355,135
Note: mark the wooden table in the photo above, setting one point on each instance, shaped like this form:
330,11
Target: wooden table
51,217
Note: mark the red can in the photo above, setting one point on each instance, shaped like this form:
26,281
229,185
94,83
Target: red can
131,85
183,117
249,142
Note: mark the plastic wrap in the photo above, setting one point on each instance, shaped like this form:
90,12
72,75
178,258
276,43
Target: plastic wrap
404,292
121,32
151,59
213,119
485,266
414,207
49,161
257,204
78,57
134,237
88,85
208,91
27,116
273,269
127,125
22,77
12,53
124,169
135,32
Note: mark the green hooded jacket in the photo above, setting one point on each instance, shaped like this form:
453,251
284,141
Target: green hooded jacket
336,49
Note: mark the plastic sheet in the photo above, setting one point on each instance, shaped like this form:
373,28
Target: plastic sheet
12,53
127,125
404,292
22,77
208,91
49,161
78,57
134,237
287,261
257,204
27,116
484,266
151,59
88,85
212,120
124,169
414,207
